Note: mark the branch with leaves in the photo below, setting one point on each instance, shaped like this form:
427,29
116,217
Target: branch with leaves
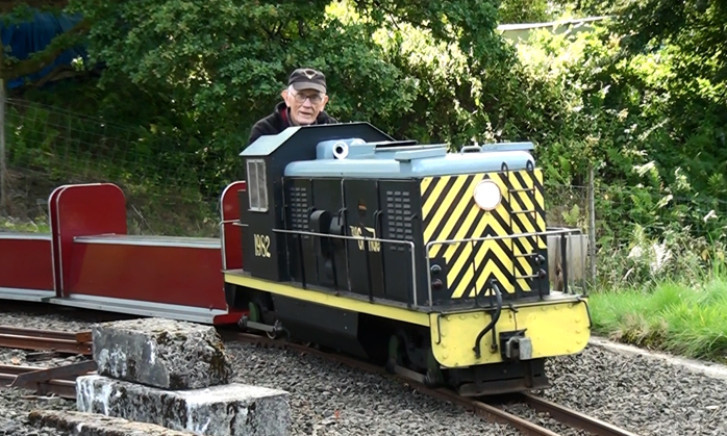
12,68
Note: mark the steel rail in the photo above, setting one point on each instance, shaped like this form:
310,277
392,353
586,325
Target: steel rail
59,380
574,418
34,339
84,336
490,412
65,372
60,388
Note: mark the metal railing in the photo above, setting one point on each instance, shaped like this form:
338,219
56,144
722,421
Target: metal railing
411,248
473,241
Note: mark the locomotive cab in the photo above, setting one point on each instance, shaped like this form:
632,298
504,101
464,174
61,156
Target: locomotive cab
262,206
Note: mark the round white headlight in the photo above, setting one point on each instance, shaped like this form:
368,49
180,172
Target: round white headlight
487,195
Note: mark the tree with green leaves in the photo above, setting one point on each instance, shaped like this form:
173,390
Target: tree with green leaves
203,72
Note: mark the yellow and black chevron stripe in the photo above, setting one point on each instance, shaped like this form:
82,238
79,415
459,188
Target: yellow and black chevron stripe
450,213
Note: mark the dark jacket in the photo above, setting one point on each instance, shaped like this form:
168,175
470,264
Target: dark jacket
279,120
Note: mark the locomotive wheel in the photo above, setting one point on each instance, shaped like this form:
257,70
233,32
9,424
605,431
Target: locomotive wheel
254,314
256,320
395,354
434,376
277,330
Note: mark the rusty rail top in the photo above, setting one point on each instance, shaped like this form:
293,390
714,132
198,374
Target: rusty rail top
35,339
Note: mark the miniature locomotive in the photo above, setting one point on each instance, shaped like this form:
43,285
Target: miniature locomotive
432,262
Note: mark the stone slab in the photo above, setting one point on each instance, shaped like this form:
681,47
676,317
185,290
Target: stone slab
163,353
233,409
93,424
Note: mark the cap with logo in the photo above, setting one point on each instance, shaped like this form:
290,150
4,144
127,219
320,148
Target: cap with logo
307,78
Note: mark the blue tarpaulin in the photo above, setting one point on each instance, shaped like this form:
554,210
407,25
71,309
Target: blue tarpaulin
22,39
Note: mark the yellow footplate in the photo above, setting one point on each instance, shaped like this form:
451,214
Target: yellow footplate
553,328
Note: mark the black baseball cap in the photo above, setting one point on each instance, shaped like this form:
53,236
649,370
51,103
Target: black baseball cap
307,78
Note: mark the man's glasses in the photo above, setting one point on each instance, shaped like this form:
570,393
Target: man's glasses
314,98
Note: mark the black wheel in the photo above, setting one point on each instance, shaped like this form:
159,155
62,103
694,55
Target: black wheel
277,332
396,353
432,380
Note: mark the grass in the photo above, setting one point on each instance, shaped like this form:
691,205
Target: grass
670,316
37,225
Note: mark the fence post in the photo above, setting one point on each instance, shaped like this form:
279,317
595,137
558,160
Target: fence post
592,224
4,201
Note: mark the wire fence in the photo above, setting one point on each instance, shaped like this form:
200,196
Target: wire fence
63,144
47,147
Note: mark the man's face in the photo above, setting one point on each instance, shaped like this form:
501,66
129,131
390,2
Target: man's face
305,105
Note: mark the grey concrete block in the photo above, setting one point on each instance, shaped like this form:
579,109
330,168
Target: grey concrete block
93,424
233,409
162,353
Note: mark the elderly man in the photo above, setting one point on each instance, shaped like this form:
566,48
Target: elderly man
304,100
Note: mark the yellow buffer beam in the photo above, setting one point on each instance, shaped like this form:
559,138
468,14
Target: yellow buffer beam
553,328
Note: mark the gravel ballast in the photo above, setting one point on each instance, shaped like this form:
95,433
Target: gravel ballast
644,394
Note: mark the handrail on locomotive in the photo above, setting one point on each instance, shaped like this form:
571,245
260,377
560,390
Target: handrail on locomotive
563,232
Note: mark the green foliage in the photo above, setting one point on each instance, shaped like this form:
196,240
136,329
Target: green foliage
51,147
524,11
668,78
573,217
653,130
202,73
197,75
676,255
673,316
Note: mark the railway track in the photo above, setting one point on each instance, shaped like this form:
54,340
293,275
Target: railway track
58,380
490,409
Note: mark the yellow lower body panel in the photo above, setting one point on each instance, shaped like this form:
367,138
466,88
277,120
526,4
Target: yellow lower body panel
554,329
329,299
